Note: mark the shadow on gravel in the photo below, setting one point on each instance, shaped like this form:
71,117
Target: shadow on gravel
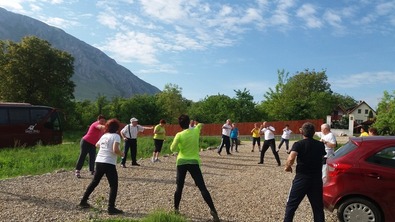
43,202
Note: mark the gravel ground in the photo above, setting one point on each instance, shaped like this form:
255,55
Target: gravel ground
241,189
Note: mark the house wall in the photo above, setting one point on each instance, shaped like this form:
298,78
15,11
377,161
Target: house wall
363,115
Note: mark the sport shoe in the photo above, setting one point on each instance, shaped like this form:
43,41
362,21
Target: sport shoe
84,204
123,165
113,211
77,174
135,164
215,216
153,160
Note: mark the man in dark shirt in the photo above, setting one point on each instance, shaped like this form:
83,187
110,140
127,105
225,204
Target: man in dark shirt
308,178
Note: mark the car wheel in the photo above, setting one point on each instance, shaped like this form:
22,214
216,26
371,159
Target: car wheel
358,210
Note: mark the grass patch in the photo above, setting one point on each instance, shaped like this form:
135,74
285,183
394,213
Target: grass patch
157,216
36,160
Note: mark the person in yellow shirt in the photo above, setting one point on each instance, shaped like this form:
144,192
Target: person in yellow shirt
256,137
159,138
363,132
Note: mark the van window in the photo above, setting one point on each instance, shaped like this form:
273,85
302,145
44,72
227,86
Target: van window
3,116
37,115
19,116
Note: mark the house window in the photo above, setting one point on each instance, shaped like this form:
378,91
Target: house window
366,111
359,111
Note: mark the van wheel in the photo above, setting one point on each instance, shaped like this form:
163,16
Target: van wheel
359,209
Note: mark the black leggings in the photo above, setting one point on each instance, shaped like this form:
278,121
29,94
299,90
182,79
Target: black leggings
112,177
86,148
196,173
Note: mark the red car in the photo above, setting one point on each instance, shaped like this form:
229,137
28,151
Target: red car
359,181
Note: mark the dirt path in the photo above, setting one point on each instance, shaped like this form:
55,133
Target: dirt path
241,189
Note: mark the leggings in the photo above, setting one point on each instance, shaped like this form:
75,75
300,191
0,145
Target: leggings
196,173
86,148
112,177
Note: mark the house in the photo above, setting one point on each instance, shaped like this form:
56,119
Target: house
360,115
361,112
337,113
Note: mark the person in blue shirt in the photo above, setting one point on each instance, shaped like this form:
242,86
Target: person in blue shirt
234,135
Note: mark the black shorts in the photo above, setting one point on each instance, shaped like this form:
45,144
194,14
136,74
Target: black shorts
158,145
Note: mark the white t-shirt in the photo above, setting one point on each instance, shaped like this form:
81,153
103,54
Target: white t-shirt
226,128
106,153
134,130
268,131
286,134
330,138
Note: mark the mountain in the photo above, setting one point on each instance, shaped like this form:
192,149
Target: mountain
94,72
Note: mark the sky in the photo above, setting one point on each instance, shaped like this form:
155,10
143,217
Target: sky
216,47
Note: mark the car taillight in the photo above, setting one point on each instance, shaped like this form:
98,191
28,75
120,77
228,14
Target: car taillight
334,169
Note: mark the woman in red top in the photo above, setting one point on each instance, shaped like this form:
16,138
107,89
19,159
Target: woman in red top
88,145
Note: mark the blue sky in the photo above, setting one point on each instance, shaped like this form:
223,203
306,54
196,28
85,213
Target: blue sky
215,47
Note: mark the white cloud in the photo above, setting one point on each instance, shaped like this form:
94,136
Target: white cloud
158,69
281,14
14,5
107,20
59,22
307,12
385,8
167,11
333,18
364,79
133,47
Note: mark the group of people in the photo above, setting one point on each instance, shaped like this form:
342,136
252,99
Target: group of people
309,154
372,131
104,135
230,134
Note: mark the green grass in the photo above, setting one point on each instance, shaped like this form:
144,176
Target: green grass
43,159
157,216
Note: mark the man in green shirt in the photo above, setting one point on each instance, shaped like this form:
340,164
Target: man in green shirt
186,143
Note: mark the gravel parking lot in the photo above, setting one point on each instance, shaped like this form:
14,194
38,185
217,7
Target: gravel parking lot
241,189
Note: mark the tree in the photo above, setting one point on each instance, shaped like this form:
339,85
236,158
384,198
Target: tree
385,118
172,102
306,95
213,109
244,107
32,71
344,101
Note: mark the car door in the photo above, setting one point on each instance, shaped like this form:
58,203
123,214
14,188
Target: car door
378,171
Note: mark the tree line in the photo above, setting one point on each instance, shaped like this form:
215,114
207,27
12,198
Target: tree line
33,71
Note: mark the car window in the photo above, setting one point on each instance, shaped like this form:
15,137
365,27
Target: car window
385,157
343,150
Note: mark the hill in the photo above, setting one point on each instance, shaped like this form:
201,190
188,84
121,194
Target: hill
95,73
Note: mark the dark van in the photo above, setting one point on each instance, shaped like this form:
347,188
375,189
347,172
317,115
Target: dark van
23,124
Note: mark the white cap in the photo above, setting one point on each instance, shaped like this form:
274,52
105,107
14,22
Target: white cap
133,119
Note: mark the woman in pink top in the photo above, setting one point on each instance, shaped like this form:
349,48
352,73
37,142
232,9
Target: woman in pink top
88,145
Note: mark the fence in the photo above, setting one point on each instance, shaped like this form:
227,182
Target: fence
244,128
